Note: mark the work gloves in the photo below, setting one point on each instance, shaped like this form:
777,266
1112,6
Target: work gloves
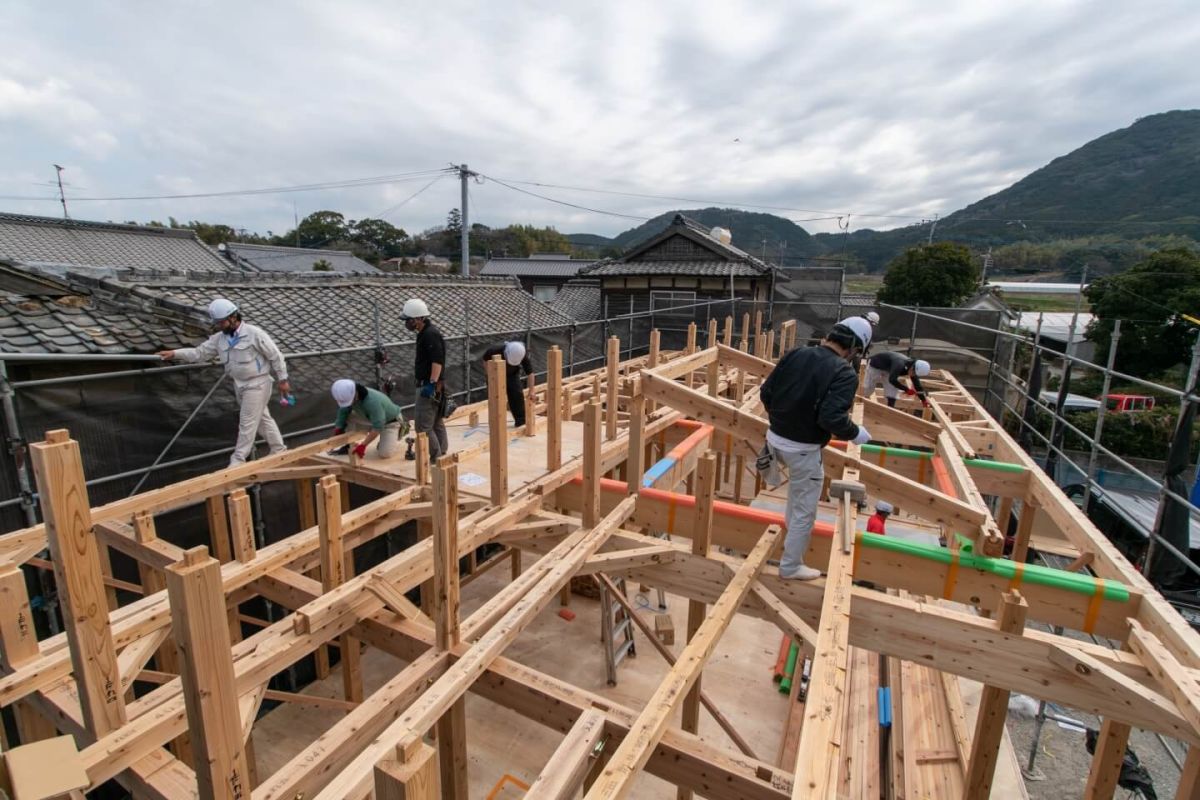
338,431
427,390
360,450
862,437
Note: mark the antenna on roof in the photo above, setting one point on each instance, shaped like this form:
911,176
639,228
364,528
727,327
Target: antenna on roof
62,197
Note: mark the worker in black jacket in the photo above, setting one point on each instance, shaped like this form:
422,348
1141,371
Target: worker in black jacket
808,397
889,369
429,373
516,361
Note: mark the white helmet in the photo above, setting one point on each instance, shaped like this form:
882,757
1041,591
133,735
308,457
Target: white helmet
921,368
414,309
514,353
221,308
872,317
884,507
860,328
343,392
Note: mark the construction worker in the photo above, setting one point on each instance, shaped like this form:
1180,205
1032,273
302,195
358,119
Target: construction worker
429,367
872,318
888,369
387,422
808,397
249,356
878,520
516,361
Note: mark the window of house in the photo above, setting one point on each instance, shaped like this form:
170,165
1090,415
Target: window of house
663,301
545,292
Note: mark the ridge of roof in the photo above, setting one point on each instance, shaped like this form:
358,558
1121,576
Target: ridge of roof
58,222
284,248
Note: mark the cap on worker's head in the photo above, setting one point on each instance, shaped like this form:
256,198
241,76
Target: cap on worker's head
872,317
858,327
221,308
921,368
414,309
514,353
343,392
884,507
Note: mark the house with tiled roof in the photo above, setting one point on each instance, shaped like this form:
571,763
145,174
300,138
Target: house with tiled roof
684,264
275,258
542,274
580,299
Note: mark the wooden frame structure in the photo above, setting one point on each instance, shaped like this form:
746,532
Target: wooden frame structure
640,430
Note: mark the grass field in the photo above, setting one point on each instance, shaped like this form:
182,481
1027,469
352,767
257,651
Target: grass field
1044,302
862,284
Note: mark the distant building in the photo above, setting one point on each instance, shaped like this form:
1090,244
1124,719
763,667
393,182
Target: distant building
273,258
682,265
424,263
542,275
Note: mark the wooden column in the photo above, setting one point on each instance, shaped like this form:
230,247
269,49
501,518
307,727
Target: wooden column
591,464
1189,779
652,358
19,646
1106,763
421,452
1024,529
554,415
241,523
73,548
497,430
334,574
452,726
745,331
706,488
691,348
636,457
408,776
712,332
727,334
993,711
210,695
757,323
218,528
306,507
610,394
770,346
530,408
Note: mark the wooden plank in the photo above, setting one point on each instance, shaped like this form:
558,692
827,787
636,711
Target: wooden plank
554,415
497,430
64,502
409,775
210,693
993,711
564,772
650,725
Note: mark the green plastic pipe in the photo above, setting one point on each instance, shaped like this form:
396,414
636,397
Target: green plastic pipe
1002,567
904,452
789,669
1001,466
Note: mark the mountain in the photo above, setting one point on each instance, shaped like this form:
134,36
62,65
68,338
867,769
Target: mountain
749,230
1119,188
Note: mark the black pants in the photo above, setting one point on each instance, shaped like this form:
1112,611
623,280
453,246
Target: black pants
516,399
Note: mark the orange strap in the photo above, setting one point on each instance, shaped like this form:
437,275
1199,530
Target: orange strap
858,540
951,576
921,462
1093,609
1018,575
671,514
882,455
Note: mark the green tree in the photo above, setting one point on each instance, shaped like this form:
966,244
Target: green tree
321,265
1150,298
942,274
321,229
378,237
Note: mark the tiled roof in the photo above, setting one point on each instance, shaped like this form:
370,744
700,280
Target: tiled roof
715,269
76,243
685,247
535,267
271,258
579,299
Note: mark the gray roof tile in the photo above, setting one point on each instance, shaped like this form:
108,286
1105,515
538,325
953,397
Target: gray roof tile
535,267
270,258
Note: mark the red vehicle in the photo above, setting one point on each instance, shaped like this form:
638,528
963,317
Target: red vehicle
1129,403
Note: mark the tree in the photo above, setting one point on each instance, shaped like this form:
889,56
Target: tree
321,265
1150,299
378,237
940,275
321,229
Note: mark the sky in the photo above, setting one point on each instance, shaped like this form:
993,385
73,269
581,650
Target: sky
880,113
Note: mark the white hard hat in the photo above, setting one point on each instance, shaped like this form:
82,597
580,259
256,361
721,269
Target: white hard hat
872,317
921,368
414,309
884,507
343,392
221,308
514,353
860,328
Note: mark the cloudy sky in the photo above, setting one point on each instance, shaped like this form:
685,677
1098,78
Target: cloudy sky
889,111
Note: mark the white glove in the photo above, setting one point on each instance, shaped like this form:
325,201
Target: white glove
863,436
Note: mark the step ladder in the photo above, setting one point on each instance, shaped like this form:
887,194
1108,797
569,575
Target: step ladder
616,630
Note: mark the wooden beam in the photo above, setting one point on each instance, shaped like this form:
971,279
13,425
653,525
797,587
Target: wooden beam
64,501
210,693
752,365
564,772
497,430
993,711
554,415
333,574
786,620
650,725
18,646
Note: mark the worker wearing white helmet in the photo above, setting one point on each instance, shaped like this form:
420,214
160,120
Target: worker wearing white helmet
516,361
889,370
249,356
386,421
808,397
429,372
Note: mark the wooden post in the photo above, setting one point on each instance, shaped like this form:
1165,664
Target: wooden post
1005,515
73,548
1024,529
306,500
745,330
334,574
706,489
241,522
554,411
19,646
652,358
408,776
218,528
727,335
591,464
452,726
691,348
1106,763
610,400
757,323
635,459
421,449
993,710
530,408
497,431
771,345
197,598
712,332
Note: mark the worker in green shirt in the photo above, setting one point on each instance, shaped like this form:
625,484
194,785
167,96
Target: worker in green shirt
387,423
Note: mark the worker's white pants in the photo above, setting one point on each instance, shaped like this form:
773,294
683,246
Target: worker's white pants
879,377
805,476
254,400
389,440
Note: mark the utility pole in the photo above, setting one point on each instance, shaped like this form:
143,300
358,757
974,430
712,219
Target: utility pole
62,197
987,263
932,228
464,174
764,255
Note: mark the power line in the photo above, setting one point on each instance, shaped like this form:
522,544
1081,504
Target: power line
564,202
